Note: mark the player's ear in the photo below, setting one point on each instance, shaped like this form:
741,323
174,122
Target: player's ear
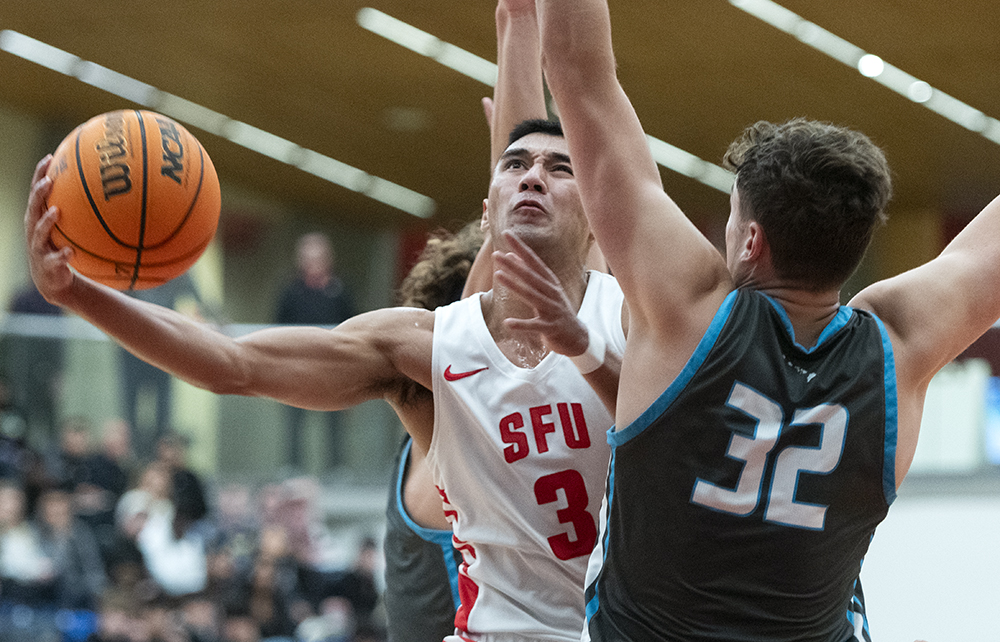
755,245
484,225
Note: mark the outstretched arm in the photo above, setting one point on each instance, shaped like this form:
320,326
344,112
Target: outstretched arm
636,224
934,312
519,94
527,277
307,367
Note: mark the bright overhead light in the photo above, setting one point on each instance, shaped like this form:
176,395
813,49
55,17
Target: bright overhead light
261,141
334,171
425,44
400,197
872,66
115,83
185,111
484,71
398,31
919,91
38,52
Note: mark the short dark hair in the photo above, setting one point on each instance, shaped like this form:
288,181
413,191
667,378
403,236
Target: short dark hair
535,126
817,190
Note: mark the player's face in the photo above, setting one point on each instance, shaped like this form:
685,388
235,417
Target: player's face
534,192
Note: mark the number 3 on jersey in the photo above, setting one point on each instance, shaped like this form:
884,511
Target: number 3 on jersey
575,513
781,507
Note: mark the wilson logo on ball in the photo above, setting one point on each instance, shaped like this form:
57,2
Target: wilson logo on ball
112,154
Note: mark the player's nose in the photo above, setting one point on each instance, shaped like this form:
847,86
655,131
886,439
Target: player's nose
534,179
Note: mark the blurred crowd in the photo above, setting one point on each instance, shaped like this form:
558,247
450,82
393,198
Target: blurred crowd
98,545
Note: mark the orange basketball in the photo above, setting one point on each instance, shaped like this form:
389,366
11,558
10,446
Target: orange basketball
138,197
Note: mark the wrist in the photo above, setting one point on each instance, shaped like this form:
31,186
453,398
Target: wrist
593,357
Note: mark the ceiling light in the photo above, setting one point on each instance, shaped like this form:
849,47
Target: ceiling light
333,170
38,52
261,141
919,91
115,83
185,111
484,71
872,66
193,114
425,44
400,197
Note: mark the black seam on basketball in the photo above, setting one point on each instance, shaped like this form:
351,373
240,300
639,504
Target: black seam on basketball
145,184
194,201
80,248
90,197
180,258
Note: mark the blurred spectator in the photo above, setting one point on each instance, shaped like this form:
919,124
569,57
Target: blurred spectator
104,479
65,463
239,626
315,297
187,489
33,363
69,543
174,538
118,618
28,588
270,589
237,527
201,618
164,621
13,424
151,496
178,564
18,460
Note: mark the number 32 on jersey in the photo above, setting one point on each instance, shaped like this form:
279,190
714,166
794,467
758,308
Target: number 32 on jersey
755,452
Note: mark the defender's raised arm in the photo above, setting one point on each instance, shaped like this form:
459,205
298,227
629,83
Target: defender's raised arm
636,224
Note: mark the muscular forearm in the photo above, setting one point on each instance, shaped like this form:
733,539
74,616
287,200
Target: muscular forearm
575,42
189,350
520,92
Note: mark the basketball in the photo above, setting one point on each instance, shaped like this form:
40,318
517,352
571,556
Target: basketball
138,197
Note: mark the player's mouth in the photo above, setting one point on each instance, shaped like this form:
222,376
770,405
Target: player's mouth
530,204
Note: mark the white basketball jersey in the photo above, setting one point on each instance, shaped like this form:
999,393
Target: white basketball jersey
520,458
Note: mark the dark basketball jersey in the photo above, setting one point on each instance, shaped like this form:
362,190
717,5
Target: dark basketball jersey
421,570
741,503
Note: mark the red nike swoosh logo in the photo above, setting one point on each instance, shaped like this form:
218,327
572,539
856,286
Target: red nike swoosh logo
455,376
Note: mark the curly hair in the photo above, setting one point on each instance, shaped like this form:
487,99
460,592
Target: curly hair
817,190
439,275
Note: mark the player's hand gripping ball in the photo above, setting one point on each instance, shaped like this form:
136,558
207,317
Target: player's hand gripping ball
138,197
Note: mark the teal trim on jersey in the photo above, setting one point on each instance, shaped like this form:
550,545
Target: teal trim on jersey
595,601
838,321
677,385
891,416
857,606
433,535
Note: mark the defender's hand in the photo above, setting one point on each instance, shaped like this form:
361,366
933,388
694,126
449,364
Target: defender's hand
527,277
